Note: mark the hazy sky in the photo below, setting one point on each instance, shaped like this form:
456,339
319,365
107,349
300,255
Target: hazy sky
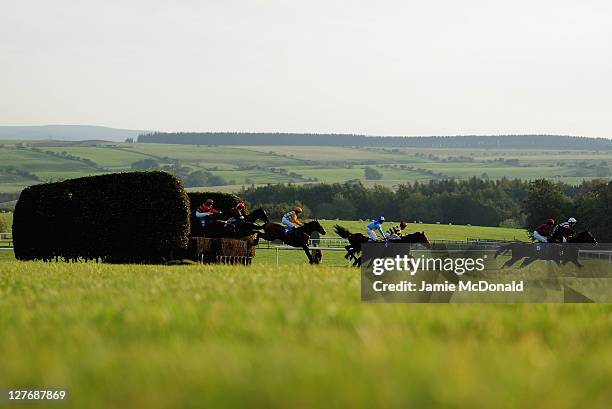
435,67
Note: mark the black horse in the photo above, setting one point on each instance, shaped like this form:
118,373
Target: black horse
552,251
236,226
356,240
298,237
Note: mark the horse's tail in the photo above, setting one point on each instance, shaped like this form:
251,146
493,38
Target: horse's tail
503,249
342,232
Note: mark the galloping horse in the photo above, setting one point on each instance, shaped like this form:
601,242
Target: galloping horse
357,239
298,237
554,250
217,227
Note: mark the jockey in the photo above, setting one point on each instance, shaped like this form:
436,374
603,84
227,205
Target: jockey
544,231
206,210
290,219
238,211
238,214
396,231
569,224
569,228
376,226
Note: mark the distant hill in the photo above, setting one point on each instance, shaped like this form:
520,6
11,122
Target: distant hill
67,132
463,141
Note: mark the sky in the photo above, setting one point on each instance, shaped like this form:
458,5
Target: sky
384,67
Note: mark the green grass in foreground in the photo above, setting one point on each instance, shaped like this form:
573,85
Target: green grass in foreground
220,336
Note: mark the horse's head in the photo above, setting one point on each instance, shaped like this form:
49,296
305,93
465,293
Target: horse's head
416,237
314,225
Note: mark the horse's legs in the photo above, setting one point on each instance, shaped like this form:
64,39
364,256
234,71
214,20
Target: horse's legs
348,251
353,253
307,251
576,262
527,261
511,261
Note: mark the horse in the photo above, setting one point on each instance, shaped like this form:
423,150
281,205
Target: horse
235,226
298,237
357,239
555,251
559,235
223,229
255,215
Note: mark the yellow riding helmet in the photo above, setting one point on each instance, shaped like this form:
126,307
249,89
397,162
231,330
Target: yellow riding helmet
298,210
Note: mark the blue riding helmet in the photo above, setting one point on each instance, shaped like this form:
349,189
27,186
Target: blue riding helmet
381,219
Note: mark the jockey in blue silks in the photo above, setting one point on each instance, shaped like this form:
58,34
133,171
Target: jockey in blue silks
376,226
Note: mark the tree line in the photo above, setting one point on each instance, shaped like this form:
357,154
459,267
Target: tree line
505,202
308,139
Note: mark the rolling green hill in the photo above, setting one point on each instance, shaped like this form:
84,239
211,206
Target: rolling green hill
246,165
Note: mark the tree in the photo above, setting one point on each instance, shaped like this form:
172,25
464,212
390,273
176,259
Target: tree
342,208
203,178
145,164
594,210
545,200
372,174
197,178
214,180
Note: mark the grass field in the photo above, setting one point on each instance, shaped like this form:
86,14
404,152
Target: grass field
217,336
295,335
246,165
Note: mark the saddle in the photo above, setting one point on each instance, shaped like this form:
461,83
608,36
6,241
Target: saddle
291,233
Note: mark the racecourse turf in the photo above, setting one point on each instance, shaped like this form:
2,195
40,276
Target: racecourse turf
262,336
295,336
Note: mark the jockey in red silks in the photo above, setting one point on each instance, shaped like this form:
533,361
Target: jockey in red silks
206,210
544,231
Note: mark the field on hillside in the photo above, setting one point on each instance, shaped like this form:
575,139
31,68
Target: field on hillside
296,336
246,165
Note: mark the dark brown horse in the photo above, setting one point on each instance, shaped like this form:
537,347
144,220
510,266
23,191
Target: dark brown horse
357,239
298,237
231,225
552,251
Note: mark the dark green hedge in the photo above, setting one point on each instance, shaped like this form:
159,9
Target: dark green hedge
223,202
137,217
